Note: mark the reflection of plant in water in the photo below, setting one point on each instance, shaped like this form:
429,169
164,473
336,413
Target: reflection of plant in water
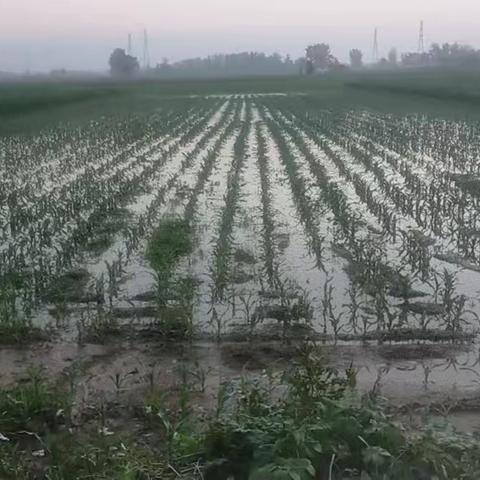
221,268
217,321
427,370
114,272
96,325
328,311
384,318
295,303
425,321
375,391
248,305
448,291
456,315
366,324
299,189
267,207
354,306
436,284
415,252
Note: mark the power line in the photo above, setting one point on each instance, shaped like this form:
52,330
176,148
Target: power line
146,51
421,39
129,45
375,46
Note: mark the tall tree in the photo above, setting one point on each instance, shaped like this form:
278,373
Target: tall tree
320,56
122,64
243,63
454,54
309,68
393,57
356,58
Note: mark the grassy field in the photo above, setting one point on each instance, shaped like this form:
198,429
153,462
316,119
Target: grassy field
256,278
31,106
445,85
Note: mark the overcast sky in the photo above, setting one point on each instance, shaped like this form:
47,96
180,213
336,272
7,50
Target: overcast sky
80,34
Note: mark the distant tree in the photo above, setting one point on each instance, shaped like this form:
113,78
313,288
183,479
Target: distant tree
164,66
320,56
393,57
338,67
356,58
309,67
122,64
454,55
382,63
300,65
288,61
414,59
228,65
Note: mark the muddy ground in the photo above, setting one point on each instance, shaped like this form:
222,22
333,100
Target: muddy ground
419,380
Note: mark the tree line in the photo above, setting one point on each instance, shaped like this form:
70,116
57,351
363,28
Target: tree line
318,58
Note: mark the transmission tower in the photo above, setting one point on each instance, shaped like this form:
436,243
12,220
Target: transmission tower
28,62
375,46
129,45
421,39
146,51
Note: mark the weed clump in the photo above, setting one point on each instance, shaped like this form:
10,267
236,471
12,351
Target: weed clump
174,296
15,326
70,287
170,241
311,423
32,406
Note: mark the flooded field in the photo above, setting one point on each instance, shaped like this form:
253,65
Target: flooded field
221,233
355,225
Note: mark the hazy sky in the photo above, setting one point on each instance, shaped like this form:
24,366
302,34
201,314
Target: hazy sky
80,34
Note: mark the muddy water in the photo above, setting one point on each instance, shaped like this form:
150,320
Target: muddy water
247,273
142,204
410,375
467,280
432,380
207,217
137,276
296,260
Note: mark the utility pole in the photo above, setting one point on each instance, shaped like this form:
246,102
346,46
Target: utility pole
129,45
375,46
421,39
146,51
28,63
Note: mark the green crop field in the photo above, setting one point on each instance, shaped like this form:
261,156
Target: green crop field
175,256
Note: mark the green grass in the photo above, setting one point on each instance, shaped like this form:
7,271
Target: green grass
19,331
447,85
34,405
18,102
15,325
171,240
32,107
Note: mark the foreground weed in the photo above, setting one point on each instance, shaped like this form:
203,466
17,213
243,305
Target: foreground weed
309,423
32,406
15,326
96,326
170,241
316,426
